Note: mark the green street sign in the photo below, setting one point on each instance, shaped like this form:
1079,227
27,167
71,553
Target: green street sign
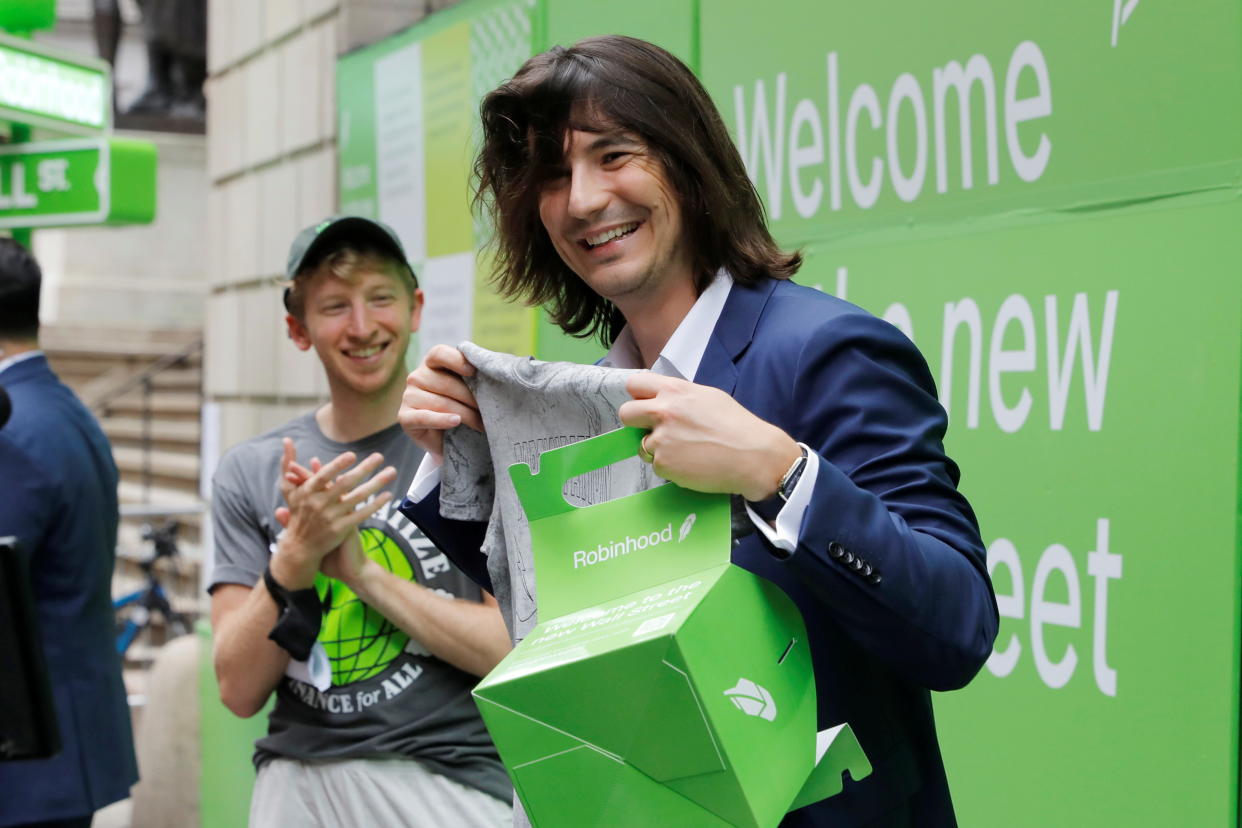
27,15
54,89
77,181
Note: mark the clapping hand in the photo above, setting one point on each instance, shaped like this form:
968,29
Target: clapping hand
326,504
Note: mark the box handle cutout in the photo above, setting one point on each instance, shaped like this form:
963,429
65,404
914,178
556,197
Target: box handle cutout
541,494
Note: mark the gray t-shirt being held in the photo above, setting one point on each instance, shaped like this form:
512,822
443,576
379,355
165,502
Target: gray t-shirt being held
529,407
389,697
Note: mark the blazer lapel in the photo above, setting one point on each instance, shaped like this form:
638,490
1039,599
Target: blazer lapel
733,332
717,368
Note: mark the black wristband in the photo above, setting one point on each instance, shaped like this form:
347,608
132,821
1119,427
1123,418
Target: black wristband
300,613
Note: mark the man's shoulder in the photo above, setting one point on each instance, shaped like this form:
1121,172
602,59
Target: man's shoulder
46,416
790,299
796,314
32,385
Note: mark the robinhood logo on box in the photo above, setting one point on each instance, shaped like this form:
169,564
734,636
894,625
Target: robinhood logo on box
624,546
752,699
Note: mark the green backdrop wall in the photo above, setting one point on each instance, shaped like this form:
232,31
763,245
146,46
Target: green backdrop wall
1045,199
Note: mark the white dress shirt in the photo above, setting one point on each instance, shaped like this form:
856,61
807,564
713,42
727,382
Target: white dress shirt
680,358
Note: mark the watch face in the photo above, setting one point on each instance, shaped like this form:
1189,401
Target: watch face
790,480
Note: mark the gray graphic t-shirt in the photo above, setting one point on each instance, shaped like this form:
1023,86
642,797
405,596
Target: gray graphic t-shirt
389,697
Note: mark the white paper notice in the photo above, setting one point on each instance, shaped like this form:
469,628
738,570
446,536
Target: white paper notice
448,283
399,147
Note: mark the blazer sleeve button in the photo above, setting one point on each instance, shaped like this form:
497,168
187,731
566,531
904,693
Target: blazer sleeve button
835,550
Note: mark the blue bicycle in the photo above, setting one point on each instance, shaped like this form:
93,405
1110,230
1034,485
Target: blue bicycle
134,611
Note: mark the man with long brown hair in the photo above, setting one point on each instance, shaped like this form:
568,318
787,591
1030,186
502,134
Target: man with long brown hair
622,206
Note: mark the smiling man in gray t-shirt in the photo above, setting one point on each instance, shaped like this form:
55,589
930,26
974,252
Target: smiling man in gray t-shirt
329,597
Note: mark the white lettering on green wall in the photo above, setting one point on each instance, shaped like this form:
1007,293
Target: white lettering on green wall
962,80
1085,350
1095,360
1056,572
1017,110
770,132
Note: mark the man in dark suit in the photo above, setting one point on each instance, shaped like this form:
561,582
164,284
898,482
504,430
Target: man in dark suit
58,496
620,200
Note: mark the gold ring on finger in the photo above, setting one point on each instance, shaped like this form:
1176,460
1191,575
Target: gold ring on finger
645,454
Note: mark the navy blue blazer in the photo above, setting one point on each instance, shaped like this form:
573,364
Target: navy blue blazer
889,569
58,496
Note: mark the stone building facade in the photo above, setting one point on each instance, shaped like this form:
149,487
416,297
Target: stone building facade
271,167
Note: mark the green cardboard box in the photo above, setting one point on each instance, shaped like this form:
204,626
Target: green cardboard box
663,685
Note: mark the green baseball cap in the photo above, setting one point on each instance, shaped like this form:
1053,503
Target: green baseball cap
309,243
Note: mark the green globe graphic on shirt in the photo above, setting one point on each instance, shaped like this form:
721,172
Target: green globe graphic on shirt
360,642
